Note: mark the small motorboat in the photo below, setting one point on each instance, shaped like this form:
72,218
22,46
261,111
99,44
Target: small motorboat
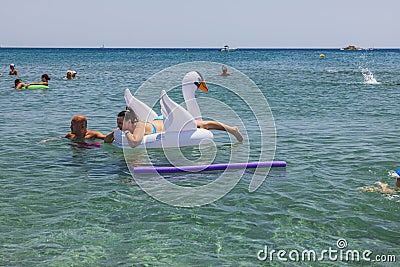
350,47
227,49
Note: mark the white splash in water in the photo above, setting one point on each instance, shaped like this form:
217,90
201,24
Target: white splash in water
332,71
368,76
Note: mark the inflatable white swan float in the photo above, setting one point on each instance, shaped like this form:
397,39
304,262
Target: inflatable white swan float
180,127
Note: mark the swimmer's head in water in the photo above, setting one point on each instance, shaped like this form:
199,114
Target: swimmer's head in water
120,119
79,125
17,81
46,77
71,74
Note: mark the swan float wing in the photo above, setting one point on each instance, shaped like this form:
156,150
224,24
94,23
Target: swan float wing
176,118
144,112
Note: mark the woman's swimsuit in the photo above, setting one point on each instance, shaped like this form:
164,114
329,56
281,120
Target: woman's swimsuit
152,124
154,127
159,118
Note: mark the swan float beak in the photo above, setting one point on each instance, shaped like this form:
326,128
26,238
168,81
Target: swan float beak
202,86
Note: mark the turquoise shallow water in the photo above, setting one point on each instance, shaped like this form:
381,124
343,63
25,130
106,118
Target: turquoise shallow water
337,127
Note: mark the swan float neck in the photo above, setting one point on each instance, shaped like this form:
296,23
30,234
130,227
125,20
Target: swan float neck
191,82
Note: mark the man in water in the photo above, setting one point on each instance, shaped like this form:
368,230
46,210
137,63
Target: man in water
109,138
79,131
224,71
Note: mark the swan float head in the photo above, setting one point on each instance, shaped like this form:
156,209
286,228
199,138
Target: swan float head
192,82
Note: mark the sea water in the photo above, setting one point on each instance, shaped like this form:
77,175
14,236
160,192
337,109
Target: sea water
337,127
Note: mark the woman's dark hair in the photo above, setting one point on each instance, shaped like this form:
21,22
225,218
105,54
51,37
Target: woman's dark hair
17,81
130,115
46,77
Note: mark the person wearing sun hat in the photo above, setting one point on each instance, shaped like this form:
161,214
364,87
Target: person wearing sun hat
71,74
13,71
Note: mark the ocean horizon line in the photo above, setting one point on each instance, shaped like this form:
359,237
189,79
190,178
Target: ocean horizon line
178,47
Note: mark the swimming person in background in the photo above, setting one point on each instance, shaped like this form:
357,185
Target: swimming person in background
135,129
13,71
79,131
45,80
224,71
71,74
383,188
18,84
109,138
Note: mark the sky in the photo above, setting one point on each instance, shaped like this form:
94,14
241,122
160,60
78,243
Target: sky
201,23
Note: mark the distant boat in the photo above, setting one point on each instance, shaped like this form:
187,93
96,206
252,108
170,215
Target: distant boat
227,49
351,47
102,46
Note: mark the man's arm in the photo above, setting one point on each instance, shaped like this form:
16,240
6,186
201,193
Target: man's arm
69,135
109,138
95,134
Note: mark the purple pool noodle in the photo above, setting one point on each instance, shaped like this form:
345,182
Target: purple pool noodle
211,167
